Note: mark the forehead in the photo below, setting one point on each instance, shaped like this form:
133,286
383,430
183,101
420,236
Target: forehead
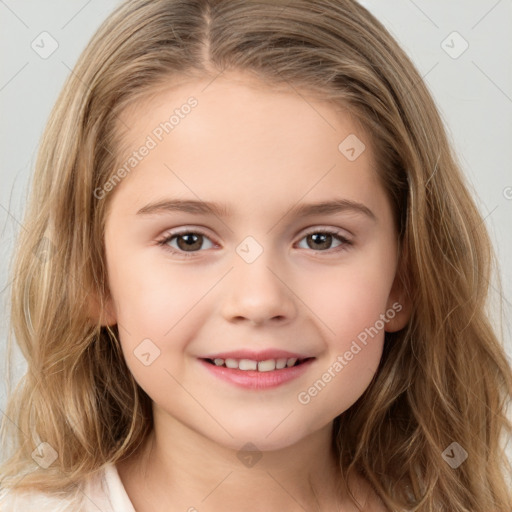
238,138
237,104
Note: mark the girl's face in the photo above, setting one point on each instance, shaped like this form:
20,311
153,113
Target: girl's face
255,279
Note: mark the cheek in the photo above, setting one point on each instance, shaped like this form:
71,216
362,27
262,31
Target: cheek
350,313
349,302
156,312
350,298
150,298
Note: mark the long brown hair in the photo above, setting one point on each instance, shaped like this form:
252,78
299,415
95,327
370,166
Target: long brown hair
443,379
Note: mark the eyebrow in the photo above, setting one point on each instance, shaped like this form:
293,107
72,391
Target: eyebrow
220,210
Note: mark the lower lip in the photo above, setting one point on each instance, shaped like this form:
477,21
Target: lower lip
253,379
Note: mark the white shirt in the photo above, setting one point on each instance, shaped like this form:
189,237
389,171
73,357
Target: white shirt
103,493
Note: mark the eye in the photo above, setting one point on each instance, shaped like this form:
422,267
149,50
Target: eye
187,242
321,240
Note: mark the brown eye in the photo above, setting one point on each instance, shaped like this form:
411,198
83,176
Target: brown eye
185,243
319,241
322,240
189,241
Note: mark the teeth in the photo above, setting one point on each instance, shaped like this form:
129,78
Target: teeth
280,364
267,366
262,366
247,364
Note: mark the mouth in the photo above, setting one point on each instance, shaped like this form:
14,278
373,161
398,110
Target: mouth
268,365
257,375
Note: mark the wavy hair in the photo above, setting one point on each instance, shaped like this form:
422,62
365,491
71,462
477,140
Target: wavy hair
444,378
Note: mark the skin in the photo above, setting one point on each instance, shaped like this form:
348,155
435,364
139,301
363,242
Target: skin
260,151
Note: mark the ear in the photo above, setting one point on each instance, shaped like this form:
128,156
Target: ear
399,301
105,313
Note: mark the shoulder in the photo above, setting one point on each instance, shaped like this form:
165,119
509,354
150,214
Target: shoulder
103,491
33,501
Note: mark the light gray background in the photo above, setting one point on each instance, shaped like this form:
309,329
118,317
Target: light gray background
473,93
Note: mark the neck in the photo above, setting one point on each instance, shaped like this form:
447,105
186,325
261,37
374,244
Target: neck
179,469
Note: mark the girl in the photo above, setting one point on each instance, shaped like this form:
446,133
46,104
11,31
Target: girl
252,278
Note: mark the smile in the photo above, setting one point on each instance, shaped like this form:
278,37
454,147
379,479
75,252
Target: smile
260,366
257,375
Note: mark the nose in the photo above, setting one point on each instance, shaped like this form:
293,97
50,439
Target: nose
258,293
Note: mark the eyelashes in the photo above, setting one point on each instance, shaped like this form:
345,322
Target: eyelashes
193,237
183,235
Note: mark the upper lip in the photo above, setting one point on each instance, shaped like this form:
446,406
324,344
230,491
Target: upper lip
261,355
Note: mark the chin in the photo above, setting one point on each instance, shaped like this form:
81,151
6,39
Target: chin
257,438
